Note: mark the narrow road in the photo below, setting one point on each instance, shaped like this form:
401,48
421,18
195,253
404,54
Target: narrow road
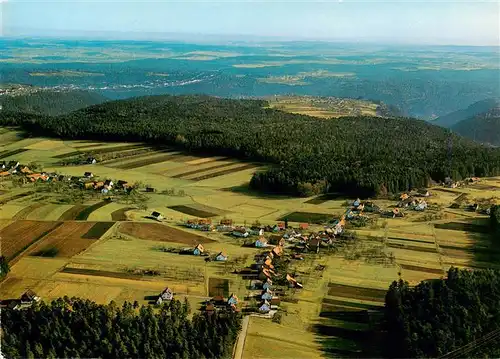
240,344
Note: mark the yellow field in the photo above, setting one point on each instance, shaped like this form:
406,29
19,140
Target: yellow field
420,250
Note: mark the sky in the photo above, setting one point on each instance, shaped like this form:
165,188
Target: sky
400,21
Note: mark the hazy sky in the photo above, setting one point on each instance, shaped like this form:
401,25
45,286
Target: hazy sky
426,21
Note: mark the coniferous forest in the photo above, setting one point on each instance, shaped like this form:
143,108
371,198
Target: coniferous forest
78,328
456,314
307,155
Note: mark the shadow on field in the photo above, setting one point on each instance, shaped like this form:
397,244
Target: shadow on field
350,334
246,190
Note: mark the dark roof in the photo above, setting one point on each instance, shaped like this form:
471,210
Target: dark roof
156,214
29,295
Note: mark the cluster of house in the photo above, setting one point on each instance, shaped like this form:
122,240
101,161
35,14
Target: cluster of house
199,250
26,301
269,300
218,303
450,183
410,201
227,226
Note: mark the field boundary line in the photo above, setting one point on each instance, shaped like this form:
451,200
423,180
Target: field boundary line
105,237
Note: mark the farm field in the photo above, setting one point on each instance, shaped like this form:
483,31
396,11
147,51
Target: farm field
99,250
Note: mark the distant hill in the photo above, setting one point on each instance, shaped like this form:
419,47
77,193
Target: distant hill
47,102
307,155
483,128
475,109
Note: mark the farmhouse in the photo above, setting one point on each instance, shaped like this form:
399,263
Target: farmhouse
268,284
276,240
303,226
423,192
4,174
29,297
292,282
265,307
232,300
240,232
157,215
91,161
267,295
167,294
277,251
198,250
98,185
150,189
256,232
25,170
88,175
261,242
221,257
226,222
109,183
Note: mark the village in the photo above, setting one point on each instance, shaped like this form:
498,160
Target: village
270,276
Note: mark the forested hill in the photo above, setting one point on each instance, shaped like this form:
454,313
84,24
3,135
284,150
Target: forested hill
483,128
360,155
473,110
49,102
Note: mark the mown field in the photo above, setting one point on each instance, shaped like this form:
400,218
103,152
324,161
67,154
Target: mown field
103,250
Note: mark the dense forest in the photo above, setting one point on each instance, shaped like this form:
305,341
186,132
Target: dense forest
440,316
49,102
483,128
358,155
473,110
78,328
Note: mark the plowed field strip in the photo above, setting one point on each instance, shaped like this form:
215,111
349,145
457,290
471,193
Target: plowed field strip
17,196
72,213
412,248
85,213
100,150
20,235
101,273
135,154
189,173
411,240
119,214
421,269
347,291
26,211
193,211
464,227
98,230
225,172
148,161
161,233
8,153
350,304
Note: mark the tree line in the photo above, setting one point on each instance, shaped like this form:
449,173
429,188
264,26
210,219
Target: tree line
307,155
79,328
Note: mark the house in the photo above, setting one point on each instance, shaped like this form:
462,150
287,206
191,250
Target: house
91,161
292,282
226,222
314,244
277,251
421,206
157,215
275,301
261,242
423,192
4,174
232,300
266,295
221,257
2,165
37,177
268,263
240,232
281,226
210,308
88,175
472,207
105,190
303,226
257,232
268,284
98,185
397,213
109,183
12,166
404,196
29,297
167,294
265,307
224,228
121,183
25,170
198,250
89,185
150,189
356,203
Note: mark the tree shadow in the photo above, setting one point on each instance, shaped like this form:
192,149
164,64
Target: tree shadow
246,190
